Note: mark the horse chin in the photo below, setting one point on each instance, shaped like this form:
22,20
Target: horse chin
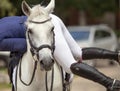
45,68
48,69
46,65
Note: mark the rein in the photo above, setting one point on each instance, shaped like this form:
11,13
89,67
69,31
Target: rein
20,74
35,67
52,80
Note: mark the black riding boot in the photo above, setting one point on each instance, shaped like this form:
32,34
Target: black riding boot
98,53
90,73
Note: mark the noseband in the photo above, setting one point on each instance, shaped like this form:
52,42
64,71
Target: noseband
34,50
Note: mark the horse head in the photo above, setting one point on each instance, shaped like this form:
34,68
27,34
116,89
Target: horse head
40,33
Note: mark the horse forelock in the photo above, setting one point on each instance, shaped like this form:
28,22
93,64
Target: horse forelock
38,13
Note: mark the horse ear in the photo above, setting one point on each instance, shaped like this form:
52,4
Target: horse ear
25,8
50,6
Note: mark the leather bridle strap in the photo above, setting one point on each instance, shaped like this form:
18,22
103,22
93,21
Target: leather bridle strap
52,80
39,22
20,74
34,50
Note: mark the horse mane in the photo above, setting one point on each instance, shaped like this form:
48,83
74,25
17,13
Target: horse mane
38,11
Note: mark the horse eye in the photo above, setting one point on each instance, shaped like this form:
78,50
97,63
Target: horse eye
52,29
30,31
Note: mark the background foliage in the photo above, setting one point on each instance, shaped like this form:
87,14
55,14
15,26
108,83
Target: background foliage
94,7
97,7
64,8
6,8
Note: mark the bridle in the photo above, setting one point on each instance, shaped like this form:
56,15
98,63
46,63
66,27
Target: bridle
39,22
34,51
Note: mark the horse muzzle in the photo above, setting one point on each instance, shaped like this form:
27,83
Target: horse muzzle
46,64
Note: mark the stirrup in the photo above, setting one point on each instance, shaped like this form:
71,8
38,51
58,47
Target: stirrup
113,87
119,58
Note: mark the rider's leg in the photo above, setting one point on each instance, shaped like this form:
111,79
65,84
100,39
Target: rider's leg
91,73
98,53
93,53
87,53
67,61
17,46
13,44
66,47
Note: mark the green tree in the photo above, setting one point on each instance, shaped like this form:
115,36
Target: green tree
63,7
6,8
96,7
17,4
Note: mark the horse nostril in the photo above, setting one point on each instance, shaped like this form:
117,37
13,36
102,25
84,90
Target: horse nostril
52,60
41,62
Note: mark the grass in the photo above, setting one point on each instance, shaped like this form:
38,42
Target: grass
5,86
2,69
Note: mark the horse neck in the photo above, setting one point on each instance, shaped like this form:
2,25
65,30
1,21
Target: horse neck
39,78
27,59
28,56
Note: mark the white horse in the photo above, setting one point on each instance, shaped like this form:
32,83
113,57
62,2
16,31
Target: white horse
37,70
